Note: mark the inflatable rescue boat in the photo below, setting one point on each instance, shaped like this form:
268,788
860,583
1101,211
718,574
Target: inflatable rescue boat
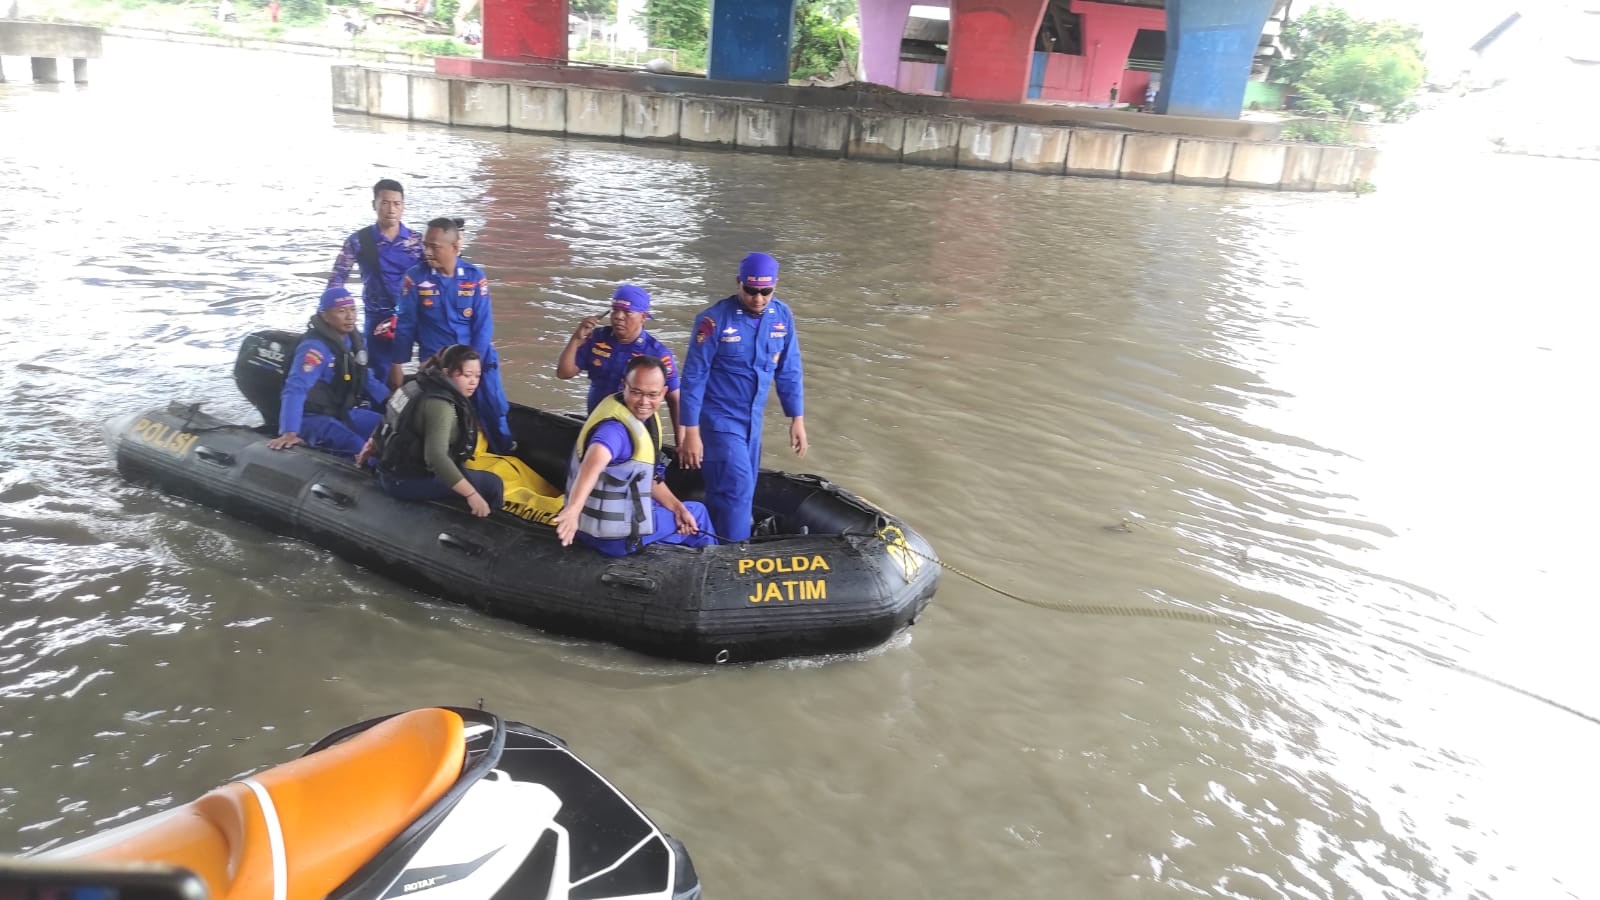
828,572
448,804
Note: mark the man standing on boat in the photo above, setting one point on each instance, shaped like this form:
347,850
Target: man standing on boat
446,301
385,250
603,352
742,345
617,501
328,376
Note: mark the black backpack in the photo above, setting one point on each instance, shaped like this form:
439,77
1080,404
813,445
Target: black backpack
260,370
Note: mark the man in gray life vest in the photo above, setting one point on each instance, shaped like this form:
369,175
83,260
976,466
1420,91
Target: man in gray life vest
617,501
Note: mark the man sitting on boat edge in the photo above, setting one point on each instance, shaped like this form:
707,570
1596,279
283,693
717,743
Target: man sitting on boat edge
328,377
617,501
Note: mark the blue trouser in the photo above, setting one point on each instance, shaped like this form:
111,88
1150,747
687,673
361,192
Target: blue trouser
380,350
490,402
730,466
328,433
666,532
427,487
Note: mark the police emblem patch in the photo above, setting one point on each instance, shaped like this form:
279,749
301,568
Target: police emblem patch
311,361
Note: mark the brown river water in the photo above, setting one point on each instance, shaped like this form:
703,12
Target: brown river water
1359,430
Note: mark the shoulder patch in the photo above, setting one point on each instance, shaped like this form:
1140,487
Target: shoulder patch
706,328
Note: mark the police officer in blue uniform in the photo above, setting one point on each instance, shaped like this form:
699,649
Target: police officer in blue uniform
328,377
741,346
446,301
385,250
603,352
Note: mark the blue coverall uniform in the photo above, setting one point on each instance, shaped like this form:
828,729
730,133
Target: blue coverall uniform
439,310
732,360
313,364
380,284
606,363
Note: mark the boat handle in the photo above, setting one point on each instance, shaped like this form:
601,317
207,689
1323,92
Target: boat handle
454,543
635,580
323,492
215,457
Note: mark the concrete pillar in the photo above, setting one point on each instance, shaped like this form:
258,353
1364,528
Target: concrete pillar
44,70
80,71
749,40
1108,33
1210,44
883,27
525,31
991,48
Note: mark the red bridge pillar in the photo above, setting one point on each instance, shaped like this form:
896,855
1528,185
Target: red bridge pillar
525,31
991,48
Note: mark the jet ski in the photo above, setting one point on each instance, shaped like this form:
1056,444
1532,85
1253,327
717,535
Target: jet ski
443,803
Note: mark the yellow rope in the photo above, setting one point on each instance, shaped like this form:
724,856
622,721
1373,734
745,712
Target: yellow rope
1092,609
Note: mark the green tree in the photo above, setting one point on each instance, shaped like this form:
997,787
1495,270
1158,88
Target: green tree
678,24
304,10
821,41
1384,76
1350,60
594,9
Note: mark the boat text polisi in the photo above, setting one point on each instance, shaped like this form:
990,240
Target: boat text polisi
789,589
163,437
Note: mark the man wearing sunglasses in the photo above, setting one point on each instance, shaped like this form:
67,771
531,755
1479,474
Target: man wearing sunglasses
741,347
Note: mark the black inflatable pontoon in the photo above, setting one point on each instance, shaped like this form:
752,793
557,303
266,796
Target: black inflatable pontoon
833,574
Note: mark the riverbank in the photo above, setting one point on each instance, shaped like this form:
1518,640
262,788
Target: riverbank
196,23
862,125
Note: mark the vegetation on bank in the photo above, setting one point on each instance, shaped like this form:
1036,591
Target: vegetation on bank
824,37
299,21
1354,68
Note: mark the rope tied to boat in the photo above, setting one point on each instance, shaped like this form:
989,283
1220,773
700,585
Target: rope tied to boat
1205,618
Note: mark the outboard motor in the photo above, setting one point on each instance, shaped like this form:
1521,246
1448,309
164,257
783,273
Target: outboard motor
262,366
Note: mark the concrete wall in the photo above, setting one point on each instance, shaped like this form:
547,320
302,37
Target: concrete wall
985,145
651,117
876,137
917,140
48,40
594,113
349,89
1095,153
541,109
714,122
1040,150
481,104
1149,157
430,99
765,128
1257,165
930,142
1203,162
819,132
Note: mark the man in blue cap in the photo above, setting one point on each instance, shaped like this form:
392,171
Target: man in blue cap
742,345
446,301
603,352
328,377
385,250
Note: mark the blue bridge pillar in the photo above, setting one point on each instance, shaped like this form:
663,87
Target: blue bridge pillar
1210,45
750,40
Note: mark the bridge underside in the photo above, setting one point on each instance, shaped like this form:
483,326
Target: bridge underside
998,50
